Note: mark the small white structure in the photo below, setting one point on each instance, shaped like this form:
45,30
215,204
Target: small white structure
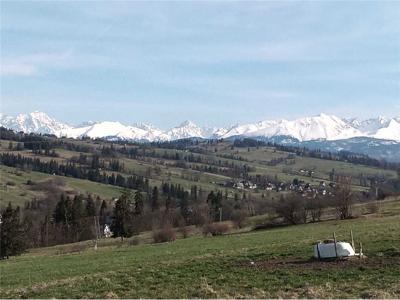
330,249
107,231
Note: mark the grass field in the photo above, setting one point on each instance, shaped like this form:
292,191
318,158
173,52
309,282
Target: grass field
19,192
219,267
159,170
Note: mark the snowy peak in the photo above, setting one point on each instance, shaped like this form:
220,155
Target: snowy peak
186,129
311,128
370,126
391,131
320,127
37,122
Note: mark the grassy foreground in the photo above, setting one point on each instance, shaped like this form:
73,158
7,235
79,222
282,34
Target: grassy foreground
272,263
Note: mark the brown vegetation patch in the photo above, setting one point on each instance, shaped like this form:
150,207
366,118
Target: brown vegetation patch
313,264
164,235
216,229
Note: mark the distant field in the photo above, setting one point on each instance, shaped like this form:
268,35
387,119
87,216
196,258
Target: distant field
219,267
13,186
159,170
320,167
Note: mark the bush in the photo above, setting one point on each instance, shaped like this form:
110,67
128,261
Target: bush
10,183
215,229
164,235
185,231
239,218
372,208
133,242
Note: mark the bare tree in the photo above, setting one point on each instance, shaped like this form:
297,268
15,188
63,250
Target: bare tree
292,209
315,206
343,198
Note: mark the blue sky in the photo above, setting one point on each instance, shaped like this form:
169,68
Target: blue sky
215,63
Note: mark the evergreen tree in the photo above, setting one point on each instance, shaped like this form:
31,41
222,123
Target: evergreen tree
184,209
168,203
122,215
138,203
103,213
214,200
77,210
90,207
154,199
237,204
63,211
12,235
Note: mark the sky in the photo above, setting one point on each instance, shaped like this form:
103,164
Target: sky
216,63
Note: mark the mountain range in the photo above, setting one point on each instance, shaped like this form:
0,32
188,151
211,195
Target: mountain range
320,130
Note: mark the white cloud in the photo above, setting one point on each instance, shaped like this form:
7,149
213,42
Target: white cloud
32,64
17,69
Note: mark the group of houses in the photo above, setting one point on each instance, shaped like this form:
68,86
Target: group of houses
297,186
307,190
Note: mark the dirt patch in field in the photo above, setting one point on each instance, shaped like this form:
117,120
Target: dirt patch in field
312,264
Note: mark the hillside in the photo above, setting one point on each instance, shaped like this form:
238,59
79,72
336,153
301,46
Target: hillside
207,165
263,264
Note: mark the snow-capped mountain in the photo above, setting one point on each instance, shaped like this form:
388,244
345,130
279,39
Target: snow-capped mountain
186,129
321,127
370,126
312,128
36,122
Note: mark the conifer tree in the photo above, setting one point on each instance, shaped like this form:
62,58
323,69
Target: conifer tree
122,215
12,235
103,213
90,207
154,199
138,203
168,203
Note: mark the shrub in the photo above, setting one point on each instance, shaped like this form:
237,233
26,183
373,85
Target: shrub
372,208
215,229
10,183
185,231
133,242
239,218
164,235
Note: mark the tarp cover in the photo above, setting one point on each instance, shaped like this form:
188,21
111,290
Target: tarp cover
343,249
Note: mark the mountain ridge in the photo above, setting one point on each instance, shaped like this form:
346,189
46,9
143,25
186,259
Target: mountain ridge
320,127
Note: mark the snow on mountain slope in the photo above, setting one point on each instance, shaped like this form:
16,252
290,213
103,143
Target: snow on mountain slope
370,126
391,132
321,127
37,122
304,129
185,130
107,130
152,133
